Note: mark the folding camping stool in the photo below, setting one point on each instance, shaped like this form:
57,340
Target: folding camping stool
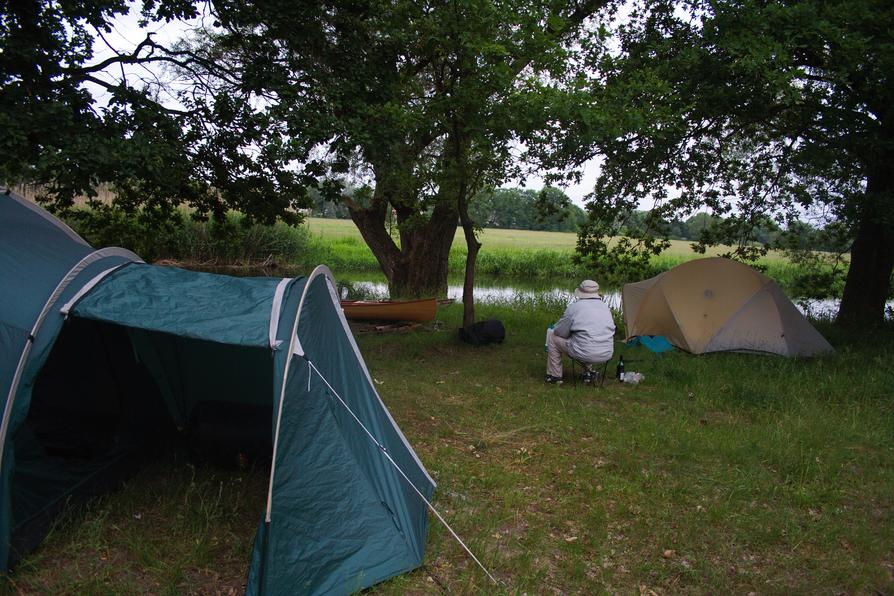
586,366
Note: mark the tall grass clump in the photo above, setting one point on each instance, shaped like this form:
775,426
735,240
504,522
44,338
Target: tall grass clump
106,225
519,263
343,254
231,241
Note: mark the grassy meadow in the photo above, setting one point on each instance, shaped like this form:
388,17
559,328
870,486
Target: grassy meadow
490,237
726,473
519,254
344,230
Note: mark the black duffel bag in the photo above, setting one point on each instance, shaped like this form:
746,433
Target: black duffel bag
482,333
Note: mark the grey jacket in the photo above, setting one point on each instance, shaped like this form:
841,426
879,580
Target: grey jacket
590,329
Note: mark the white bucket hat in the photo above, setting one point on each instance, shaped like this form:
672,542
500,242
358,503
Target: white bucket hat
587,289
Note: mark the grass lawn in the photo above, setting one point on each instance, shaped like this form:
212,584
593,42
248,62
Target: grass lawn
719,474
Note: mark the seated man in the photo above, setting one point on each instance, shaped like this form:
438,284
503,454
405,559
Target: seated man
585,332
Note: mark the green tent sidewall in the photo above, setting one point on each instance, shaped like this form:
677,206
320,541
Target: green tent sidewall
376,496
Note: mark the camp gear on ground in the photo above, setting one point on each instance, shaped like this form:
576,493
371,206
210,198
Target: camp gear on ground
631,378
715,304
619,371
589,376
96,347
482,333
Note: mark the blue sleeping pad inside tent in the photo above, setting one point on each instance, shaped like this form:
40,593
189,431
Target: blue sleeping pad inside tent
653,343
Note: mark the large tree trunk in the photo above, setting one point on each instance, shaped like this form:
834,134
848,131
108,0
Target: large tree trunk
872,256
426,250
371,223
418,267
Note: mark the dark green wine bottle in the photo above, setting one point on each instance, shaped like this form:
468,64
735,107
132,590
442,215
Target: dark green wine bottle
620,371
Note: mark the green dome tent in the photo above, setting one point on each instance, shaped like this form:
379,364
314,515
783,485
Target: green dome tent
96,346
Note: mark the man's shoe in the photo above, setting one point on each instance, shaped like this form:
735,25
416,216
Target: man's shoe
553,380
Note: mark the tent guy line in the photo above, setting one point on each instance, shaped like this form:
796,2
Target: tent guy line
387,455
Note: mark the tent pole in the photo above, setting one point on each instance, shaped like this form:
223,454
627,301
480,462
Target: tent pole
293,338
60,287
263,570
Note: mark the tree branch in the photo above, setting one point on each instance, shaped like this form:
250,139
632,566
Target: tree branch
119,87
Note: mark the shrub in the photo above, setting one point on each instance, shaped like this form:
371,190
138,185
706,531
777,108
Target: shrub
233,240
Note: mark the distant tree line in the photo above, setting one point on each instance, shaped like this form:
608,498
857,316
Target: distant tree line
329,209
548,209
797,235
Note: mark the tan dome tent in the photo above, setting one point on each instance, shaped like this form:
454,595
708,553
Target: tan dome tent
714,305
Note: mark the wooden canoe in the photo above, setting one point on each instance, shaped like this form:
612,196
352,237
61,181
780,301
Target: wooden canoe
391,310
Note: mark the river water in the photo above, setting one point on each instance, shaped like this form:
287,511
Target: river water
493,291
355,286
